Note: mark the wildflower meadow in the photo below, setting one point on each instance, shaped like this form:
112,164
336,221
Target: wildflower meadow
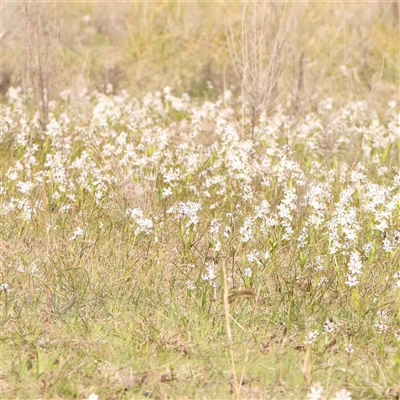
166,245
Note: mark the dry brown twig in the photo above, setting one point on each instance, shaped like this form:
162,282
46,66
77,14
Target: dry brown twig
258,56
41,47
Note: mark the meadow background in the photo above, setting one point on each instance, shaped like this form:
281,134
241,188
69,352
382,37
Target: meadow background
200,200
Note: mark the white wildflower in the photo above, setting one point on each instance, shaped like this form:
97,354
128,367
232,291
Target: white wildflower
25,187
210,273
86,19
355,264
247,273
311,338
387,245
352,281
253,256
342,394
145,225
316,392
3,287
319,264
329,326
78,232
247,230
189,210
397,277
349,348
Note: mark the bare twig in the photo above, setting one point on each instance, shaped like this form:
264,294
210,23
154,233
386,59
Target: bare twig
257,60
41,36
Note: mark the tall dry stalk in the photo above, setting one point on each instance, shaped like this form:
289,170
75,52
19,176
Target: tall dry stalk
41,45
236,385
257,56
48,254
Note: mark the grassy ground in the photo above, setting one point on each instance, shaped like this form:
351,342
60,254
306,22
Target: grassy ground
133,223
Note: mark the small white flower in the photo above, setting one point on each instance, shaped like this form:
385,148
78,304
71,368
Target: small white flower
367,248
342,394
77,232
381,325
3,287
253,256
217,246
12,175
145,225
248,273
189,210
316,392
227,232
25,187
86,19
323,281
319,264
65,209
214,227
387,245
109,88
352,281
65,95
355,264
166,192
247,230
329,326
210,274
397,277
311,338
55,196
349,348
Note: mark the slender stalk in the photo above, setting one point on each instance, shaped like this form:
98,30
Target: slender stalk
229,332
47,229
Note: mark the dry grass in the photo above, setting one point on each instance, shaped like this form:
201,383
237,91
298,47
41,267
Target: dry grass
331,47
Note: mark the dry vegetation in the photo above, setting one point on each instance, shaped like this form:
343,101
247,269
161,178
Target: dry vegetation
347,49
200,200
